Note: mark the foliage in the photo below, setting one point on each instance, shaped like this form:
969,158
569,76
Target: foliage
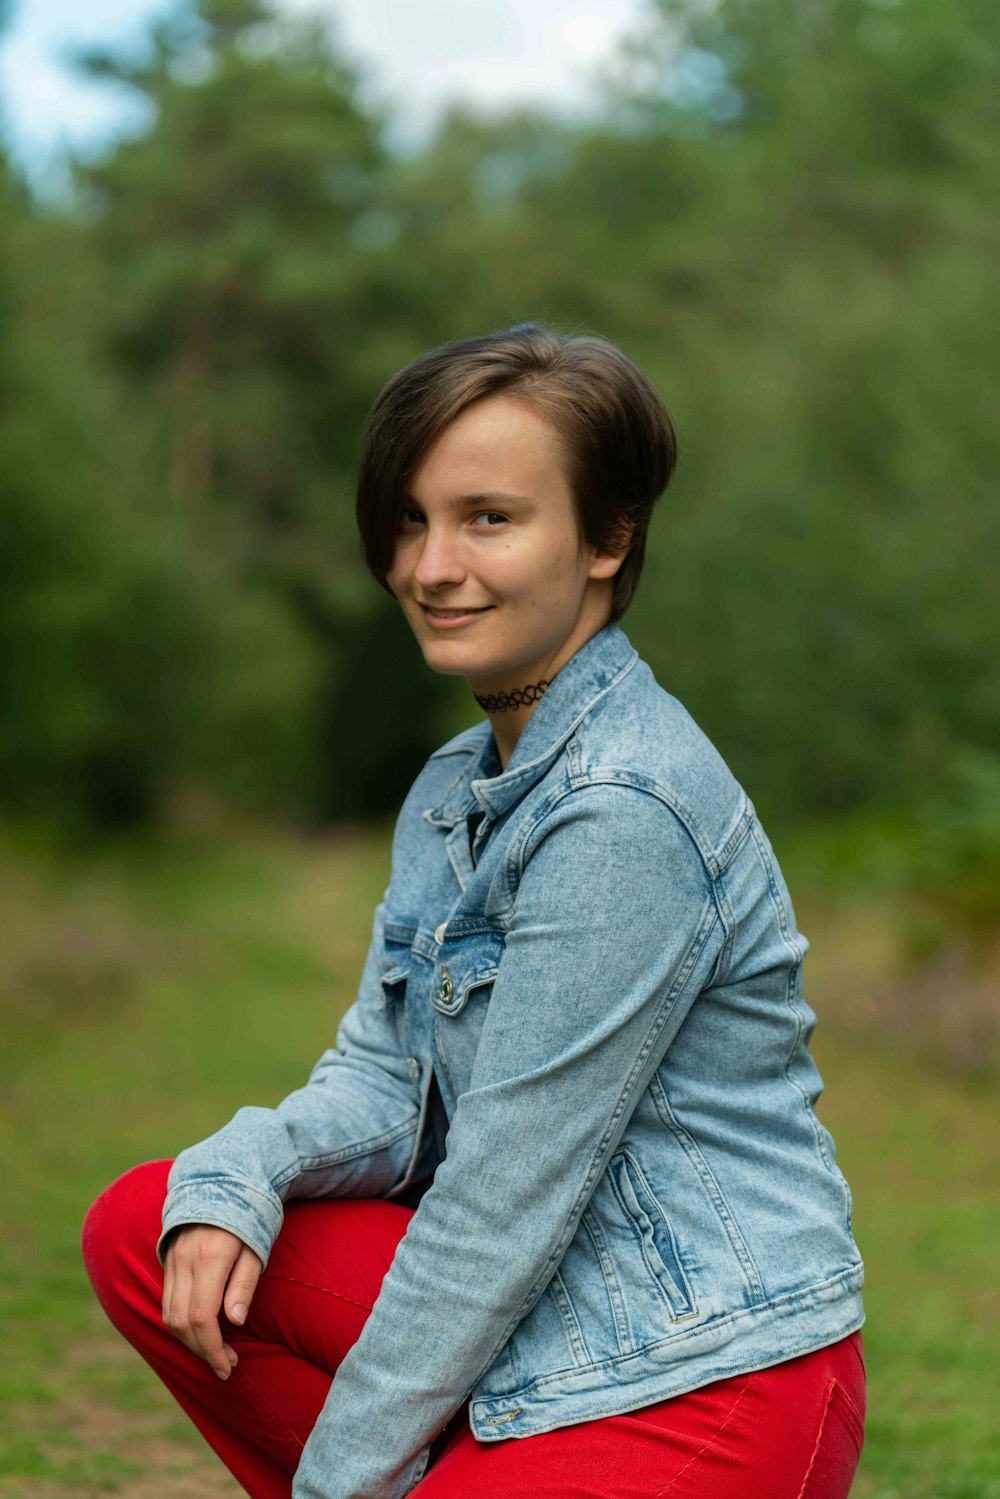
785,217
122,667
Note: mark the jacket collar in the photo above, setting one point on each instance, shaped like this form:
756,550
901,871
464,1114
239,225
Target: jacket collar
595,669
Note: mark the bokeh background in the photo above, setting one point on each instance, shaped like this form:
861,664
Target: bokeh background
787,215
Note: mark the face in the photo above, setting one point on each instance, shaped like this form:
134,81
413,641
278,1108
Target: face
488,564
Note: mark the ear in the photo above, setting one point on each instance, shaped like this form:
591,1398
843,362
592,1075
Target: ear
606,564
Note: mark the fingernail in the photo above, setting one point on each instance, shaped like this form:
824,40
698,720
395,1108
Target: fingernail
221,1375
239,1312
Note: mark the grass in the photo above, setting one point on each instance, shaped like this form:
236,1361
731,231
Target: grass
919,1150
145,990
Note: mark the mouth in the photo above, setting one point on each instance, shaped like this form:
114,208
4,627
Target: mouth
450,617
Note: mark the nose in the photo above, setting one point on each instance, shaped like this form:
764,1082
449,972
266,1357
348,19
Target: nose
439,564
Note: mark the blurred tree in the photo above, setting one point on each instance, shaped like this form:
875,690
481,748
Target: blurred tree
847,522
788,221
244,306
111,648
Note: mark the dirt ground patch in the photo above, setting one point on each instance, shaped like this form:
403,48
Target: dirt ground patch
151,1435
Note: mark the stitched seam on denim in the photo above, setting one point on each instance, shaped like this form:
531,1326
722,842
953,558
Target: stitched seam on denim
409,1175
794,978
728,922
467,986
710,1186
609,1408
740,830
712,1443
205,1178
688,1306
624,1107
727,915
373,1146
675,1339
456,846
529,774
442,1052
456,746
594,781
574,762
633,779
553,749
624,1336
819,1437
421,1460
580,1353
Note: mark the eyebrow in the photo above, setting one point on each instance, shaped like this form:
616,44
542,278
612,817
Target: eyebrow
488,497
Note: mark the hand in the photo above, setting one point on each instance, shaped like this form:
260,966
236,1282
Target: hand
201,1263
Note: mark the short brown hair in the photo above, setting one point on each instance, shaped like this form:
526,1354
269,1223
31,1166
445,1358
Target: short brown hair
617,434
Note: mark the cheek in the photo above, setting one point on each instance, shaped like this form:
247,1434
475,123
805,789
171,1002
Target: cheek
532,573
553,558
398,570
557,567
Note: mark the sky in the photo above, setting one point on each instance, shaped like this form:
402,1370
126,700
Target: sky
416,53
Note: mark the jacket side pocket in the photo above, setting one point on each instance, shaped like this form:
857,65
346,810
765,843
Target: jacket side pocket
653,1231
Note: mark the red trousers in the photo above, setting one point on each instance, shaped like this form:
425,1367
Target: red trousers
793,1431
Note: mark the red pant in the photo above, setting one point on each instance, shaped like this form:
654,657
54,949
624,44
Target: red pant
793,1431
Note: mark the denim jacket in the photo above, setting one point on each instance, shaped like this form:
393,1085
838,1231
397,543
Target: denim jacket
580,1048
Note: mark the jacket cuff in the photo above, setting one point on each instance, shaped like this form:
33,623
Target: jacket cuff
224,1202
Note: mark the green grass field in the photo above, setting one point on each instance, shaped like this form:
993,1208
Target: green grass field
149,991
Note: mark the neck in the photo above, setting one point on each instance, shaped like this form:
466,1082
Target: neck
523,695
508,712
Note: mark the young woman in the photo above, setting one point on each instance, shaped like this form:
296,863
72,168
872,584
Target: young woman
556,1215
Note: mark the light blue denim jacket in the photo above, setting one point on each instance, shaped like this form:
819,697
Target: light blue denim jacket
586,973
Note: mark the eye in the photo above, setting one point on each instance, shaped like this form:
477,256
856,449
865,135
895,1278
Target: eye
406,513
493,515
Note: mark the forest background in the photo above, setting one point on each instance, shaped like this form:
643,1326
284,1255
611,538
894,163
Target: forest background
209,713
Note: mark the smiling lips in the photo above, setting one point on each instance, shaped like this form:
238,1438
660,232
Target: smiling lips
446,617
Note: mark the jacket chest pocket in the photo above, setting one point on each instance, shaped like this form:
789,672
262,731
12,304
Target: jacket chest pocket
461,988
453,989
395,978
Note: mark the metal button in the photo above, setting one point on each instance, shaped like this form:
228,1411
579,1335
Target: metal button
439,934
413,1065
447,987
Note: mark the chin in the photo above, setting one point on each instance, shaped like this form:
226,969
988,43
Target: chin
451,662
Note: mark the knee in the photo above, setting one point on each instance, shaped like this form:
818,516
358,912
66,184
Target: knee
123,1224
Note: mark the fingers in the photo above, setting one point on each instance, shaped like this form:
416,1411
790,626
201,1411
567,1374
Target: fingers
168,1273
197,1266
242,1283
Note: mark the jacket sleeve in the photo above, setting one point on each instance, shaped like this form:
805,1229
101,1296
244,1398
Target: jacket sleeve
612,930
350,1131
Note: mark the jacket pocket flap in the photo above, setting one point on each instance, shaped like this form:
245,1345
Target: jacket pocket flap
453,989
393,985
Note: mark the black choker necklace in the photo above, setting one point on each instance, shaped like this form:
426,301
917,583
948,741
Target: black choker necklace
496,702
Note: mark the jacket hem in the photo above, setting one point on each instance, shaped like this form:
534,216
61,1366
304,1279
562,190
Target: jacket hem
738,1344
